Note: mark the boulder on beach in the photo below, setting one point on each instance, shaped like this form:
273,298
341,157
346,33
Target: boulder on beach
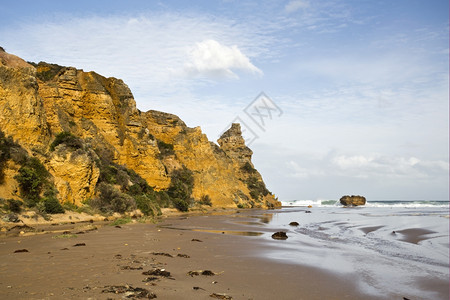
352,200
281,235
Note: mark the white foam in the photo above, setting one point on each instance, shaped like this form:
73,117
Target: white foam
383,204
302,203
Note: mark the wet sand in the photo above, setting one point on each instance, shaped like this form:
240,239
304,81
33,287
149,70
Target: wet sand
109,262
414,235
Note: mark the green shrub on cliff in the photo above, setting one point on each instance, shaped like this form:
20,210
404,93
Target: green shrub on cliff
68,139
14,206
53,206
147,205
205,200
32,177
257,188
112,200
6,145
165,149
247,167
180,189
180,204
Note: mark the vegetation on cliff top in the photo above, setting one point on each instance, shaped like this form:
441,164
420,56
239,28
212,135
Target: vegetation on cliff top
46,71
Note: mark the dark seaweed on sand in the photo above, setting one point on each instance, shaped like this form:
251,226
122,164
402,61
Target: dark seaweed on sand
162,254
200,272
130,291
221,296
157,272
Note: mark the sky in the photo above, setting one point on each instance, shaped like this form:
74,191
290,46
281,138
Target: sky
334,97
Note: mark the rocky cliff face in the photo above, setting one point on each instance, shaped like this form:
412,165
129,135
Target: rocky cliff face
22,113
37,102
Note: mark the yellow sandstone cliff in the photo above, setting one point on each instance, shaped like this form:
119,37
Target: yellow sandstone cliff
37,102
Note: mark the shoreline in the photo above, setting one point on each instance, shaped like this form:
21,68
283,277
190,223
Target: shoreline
31,223
117,257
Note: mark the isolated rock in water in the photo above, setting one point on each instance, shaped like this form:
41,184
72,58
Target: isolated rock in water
281,235
352,200
294,224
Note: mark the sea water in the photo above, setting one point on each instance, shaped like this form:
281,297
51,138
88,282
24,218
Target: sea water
394,248
372,203
390,249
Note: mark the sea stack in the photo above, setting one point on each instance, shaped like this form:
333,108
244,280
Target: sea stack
352,200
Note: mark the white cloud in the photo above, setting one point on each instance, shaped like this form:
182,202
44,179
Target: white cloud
211,59
295,5
299,172
365,166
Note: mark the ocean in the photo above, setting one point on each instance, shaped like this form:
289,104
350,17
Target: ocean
372,203
391,248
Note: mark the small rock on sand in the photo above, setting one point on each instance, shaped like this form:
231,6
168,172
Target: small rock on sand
281,235
21,251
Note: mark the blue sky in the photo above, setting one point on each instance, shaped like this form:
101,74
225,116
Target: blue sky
362,85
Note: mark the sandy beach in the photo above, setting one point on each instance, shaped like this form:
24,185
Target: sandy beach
98,261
